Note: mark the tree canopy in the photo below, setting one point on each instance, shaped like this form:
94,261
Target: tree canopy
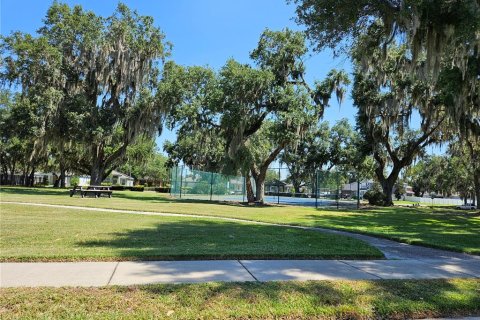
443,34
243,116
93,80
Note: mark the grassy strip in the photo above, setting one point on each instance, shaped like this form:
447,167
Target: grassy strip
57,234
386,299
442,227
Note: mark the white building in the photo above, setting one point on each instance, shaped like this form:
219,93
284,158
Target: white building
118,178
351,188
49,178
115,178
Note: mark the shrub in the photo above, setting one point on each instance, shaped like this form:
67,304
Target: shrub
74,181
399,190
139,188
375,195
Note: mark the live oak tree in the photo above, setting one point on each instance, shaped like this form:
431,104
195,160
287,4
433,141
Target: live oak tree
229,108
422,175
322,148
444,34
30,68
387,97
101,76
466,152
192,94
307,156
433,174
452,173
473,148
145,163
283,128
290,103
18,124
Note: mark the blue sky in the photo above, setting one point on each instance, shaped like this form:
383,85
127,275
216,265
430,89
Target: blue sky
206,32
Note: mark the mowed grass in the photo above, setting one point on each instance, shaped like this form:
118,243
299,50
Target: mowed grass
55,234
381,299
442,227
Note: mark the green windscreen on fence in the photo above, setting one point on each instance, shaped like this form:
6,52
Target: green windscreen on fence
187,183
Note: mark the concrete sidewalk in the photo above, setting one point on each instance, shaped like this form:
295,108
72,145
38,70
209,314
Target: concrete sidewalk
144,272
411,262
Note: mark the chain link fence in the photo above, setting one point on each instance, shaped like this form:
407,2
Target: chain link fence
321,188
193,184
332,188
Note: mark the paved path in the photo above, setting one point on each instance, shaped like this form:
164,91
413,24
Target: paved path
406,262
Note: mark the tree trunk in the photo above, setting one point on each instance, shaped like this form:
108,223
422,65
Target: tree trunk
96,174
249,188
297,189
260,185
97,166
261,173
62,175
476,184
387,187
23,178
57,181
31,178
4,177
12,175
388,184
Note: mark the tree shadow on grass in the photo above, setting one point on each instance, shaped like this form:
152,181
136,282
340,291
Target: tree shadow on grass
452,232
194,239
34,191
374,299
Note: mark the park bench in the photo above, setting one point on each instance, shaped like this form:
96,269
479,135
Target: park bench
76,189
96,191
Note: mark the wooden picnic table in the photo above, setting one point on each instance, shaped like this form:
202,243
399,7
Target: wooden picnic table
96,191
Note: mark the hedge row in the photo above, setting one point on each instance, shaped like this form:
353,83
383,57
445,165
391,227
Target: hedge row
134,188
142,188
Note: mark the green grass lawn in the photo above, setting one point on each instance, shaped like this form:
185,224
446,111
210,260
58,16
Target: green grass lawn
40,233
382,299
442,227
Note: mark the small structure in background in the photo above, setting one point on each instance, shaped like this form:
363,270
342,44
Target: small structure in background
115,178
49,179
349,190
119,178
274,186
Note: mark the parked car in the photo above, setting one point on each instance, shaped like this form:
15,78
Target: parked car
467,206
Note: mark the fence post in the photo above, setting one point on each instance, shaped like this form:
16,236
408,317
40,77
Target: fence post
358,193
211,185
172,181
181,181
316,189
338,188
278,187
244,189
